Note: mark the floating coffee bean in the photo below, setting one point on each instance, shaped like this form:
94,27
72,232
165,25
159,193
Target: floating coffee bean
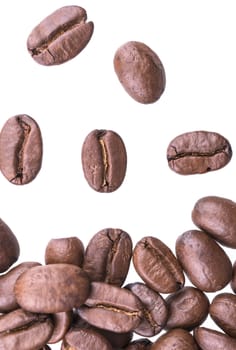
140,344
217,216
107,256
188,308
204,261
60,36
209,339
104,160
157,266
198,152
154,309
176,339
233,281
140,72
223,312
61,324
9,247
21,149
52,288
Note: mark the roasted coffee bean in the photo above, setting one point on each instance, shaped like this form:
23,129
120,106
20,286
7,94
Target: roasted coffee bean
7,282
52,288
9,247
60,36
24,330
157,266
104,160
21,149
139,344
154,309
140,72
233,281
175,339
216,216
107,256
223,312
188,308
209,339
198,152
112,308
61,323
204,261
68,250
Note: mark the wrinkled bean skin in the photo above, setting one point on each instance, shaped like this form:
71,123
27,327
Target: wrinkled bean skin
104,160
52,288
9,247
61,323
203,260
175,339
198,152
60,36
140,344
188,308
157,266
107,256
140,71
223,312
233,281
209,339
216,216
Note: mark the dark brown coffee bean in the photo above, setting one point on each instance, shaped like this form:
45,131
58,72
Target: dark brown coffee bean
21,149
104,160
140,72
107,256
52,288
209,339
140,344
204,261
223,312
9,247
60,36
188,308
154,309
112,308
61,323
7,282
233,281
198,152
175,339
23,330
68,250
217,216
157,266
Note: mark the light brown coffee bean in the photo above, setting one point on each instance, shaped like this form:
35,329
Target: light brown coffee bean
175,339
209,339
9,247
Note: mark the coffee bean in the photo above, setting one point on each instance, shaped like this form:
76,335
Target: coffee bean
61,323
157,266
154,309
112,308
233,281
209,339
52,288
176,339
223,312
198,152
9,247
60,36
217,216
188,308
21,149
204,261
107,256
104,160
140,344
140,72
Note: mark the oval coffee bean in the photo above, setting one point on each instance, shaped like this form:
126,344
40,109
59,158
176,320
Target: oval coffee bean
223,312
60,36
209,339
157,266
188,308
107,256
21,149
140,344
85,339
176,339
198,152
203,260
216,216
61,323
52,288
154,309
140,71
112,308
104,160
233,281
9,247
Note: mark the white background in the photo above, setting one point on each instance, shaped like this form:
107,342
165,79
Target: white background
196,42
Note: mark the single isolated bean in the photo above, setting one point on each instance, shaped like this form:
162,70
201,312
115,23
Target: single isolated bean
176,339
9,247
209,339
